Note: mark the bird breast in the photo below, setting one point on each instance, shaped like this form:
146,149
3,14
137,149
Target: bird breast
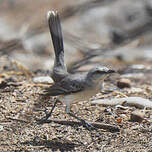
84,95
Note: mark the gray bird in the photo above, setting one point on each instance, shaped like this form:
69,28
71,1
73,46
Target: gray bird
71,88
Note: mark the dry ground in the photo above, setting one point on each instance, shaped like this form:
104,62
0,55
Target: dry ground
21,104
24,38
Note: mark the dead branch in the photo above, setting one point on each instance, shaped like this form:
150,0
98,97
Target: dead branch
99,125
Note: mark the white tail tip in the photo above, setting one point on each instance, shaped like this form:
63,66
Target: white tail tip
51,13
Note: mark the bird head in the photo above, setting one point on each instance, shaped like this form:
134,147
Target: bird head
98,74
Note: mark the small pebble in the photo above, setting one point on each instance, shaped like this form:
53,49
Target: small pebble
135,90
133,75
140,67
43,79
121,107
1,128
3,84
124,83
137,116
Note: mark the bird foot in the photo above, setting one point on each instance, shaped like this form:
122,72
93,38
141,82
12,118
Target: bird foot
88,126
45,118
42,120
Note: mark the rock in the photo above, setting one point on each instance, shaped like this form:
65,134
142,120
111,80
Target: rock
124,83
127,101
3,83
43,79
140,67
137,116
1,128
135,90
133,75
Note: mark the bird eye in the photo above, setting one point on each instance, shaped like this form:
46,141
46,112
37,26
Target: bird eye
99,72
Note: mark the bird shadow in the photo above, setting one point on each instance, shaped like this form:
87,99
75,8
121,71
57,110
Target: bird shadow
54,144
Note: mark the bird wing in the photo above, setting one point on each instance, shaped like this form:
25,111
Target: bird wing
65,87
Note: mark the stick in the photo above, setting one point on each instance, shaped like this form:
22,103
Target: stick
99,125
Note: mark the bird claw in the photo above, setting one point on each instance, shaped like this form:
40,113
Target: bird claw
45,118
45,111
41,121
88,125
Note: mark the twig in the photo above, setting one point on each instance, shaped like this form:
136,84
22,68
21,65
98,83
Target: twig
99,125
16,119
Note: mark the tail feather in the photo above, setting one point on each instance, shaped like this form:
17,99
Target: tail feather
59,69
56,32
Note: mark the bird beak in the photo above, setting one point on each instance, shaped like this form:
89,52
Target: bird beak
111,71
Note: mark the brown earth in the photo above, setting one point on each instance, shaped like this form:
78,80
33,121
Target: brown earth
21,102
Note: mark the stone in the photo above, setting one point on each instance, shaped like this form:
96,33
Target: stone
124,83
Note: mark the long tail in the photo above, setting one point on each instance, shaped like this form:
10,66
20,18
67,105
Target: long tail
59,70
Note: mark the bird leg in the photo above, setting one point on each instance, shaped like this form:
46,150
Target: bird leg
44,119
87,125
